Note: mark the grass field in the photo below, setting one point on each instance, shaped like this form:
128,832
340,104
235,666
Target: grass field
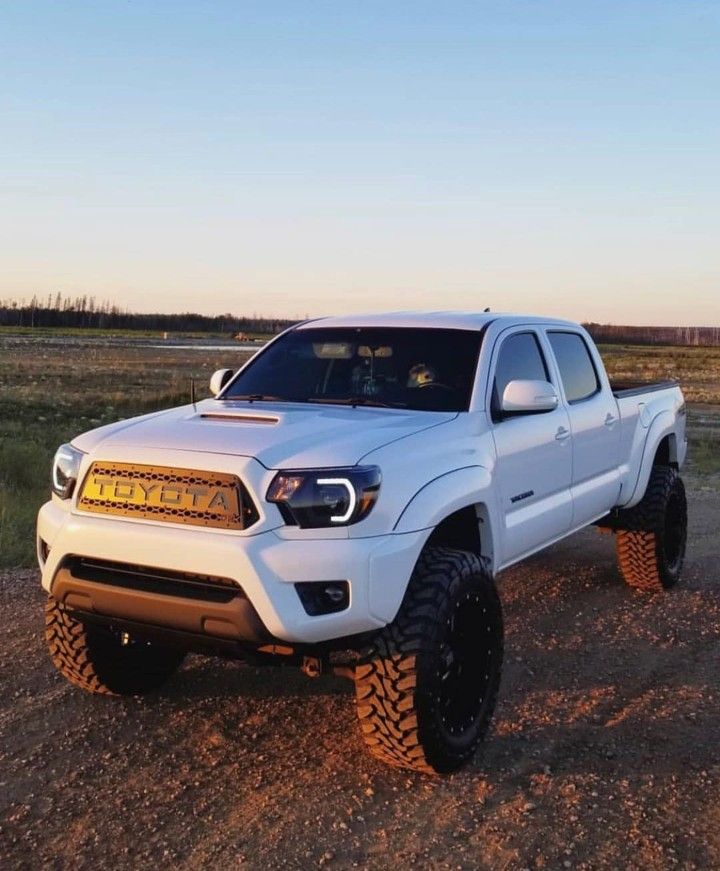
697,369
52,388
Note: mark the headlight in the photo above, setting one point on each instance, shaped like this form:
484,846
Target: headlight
66,466
325,497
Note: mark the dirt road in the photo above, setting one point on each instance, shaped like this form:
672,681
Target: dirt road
604,750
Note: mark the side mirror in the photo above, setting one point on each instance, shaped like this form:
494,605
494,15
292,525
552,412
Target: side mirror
219,380
529,396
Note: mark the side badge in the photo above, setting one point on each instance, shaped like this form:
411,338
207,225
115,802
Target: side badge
520,496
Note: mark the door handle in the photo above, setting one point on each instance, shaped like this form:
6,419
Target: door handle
610,419
562,434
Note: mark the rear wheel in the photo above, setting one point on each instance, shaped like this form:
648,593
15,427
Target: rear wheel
427,687
651,550
101,660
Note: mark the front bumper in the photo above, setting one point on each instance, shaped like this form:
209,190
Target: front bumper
266,566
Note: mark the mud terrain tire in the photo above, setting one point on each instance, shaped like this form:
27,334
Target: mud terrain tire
96,659
651,549
426,688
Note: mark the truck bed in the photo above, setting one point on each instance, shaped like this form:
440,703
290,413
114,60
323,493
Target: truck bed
633,388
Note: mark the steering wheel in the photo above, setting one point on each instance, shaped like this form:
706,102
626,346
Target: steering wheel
437,384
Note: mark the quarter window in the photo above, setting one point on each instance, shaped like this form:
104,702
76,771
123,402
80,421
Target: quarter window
576,367
520,359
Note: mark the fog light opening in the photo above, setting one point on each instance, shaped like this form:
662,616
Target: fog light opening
323,597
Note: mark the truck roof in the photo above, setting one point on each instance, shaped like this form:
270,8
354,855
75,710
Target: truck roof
453,320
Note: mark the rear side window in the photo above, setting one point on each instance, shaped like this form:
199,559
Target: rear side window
576,367
520,359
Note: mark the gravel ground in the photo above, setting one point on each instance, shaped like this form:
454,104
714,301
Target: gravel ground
603,752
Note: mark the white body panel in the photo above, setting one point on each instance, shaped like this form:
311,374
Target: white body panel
532,479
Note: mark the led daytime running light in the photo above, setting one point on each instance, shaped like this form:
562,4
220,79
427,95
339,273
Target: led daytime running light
342,482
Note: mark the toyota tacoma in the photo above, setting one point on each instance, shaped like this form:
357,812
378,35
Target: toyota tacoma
344,502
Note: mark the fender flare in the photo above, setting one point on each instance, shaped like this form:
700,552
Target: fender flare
662,425
444,495
430,505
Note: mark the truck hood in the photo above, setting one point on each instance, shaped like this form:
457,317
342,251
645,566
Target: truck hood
279,435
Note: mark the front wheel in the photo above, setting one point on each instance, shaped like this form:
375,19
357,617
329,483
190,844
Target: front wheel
651,550
101,660
426,688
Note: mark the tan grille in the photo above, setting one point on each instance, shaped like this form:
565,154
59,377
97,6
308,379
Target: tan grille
172,495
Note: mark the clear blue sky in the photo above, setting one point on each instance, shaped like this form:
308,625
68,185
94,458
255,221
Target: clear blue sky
298,158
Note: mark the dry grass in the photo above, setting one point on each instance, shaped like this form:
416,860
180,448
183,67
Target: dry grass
698,371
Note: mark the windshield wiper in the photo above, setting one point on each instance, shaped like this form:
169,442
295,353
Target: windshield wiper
259,397
357,400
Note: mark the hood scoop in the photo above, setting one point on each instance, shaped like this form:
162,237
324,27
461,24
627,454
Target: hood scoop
239,417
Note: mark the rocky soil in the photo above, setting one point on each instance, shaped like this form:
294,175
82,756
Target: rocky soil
603,753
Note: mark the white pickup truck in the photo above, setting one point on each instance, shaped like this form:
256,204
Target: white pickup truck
345,501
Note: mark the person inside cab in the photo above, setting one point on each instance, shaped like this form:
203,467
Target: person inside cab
421,375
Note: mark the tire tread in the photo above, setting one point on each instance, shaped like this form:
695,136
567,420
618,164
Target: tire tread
386,681
88,661
639,535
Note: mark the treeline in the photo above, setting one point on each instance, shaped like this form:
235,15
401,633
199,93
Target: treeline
87,312
613,333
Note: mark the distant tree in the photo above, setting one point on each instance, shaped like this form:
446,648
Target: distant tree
87,311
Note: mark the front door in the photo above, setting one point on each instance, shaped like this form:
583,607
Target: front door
534,452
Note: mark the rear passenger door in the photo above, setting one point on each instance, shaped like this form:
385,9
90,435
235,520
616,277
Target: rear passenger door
534,454
595,426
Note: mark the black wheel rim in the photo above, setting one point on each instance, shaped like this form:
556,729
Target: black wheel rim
467,660
675,531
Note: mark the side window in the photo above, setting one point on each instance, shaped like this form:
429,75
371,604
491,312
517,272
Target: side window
576,367
520,358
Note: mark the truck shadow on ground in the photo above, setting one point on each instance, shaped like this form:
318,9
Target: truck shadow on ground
201,678
596,676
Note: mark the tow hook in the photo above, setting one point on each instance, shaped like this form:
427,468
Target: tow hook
311,666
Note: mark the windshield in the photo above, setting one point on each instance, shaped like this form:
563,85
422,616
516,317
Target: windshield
422,369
